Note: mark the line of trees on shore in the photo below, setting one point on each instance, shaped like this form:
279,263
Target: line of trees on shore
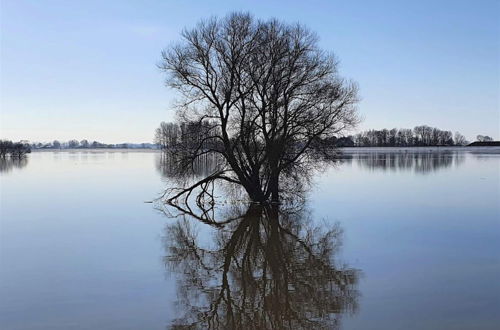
419,136
85,144
170,135
485,138
13,149
186,135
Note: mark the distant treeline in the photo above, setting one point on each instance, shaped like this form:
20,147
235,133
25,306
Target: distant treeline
170,135
419,136
485,144
13,149
404,137
85,144
173,135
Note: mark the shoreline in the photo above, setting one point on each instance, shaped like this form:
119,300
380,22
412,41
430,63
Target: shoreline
489,149
485,149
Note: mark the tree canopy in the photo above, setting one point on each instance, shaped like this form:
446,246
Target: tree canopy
270,94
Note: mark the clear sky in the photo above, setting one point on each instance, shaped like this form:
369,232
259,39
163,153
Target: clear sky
87,69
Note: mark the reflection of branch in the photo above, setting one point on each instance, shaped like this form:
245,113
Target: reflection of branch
304,245
188,240
205,218
269,275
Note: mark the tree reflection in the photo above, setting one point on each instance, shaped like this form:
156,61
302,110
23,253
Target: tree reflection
167,165
269,268
418,162
8,164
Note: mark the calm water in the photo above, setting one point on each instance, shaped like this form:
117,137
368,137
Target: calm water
386,240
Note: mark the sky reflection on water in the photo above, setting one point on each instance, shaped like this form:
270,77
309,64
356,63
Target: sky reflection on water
419,247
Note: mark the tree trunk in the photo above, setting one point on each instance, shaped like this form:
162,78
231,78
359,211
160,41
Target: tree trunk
256,195
274,188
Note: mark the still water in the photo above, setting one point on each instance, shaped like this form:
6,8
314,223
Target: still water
387,239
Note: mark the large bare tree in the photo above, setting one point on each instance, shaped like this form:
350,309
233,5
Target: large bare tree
271,95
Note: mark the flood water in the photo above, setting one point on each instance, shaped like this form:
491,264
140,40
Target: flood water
387,239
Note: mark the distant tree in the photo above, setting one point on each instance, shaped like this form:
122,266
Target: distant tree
14,149
20,149
446,138
393,137
84,143
344,142
73,144
167,135
484,138
409,140
6,147
56,144
460,139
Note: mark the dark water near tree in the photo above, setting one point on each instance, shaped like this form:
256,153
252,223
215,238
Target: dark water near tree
386,240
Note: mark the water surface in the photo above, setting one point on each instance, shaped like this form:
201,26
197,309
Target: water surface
403,239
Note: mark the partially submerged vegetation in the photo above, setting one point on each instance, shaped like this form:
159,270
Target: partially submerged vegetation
264,97
13,149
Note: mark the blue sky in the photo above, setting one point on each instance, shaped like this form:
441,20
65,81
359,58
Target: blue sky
87,69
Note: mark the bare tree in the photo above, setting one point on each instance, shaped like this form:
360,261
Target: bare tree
484,138
271,94
14,149
5,147
460,139
73,144
84,143
167,135
19,150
